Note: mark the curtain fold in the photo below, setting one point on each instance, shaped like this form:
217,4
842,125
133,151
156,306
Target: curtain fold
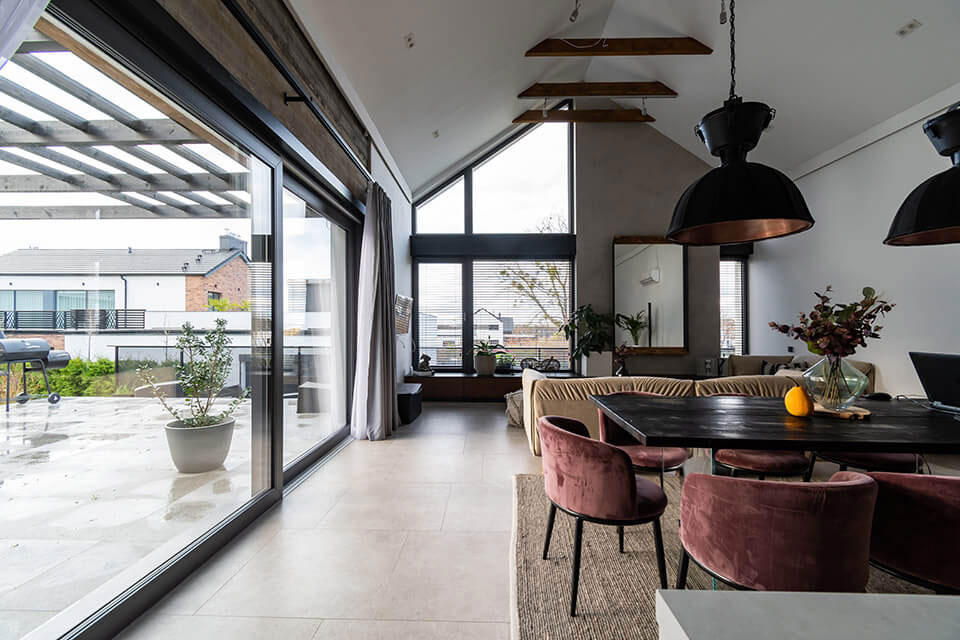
17,18
375,415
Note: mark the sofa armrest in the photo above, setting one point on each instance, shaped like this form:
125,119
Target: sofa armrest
529,378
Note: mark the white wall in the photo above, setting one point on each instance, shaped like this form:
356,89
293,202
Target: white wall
665,296
853,200
157,293
402,221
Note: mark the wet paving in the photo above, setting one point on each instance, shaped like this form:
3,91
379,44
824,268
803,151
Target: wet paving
88,491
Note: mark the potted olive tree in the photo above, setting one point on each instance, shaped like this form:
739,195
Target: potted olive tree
199,436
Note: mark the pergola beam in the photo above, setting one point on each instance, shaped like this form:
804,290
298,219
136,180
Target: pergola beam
107,212
47,184
155,131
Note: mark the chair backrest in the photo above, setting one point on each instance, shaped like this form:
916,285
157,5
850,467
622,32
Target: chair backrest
916,526
610,431
781,536
586,476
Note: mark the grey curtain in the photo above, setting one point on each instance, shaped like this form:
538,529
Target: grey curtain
375,415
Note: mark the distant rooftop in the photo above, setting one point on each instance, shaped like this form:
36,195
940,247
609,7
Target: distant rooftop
116,261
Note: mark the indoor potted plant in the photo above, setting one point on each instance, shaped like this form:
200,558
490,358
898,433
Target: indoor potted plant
506,362
485,360
834,331
199,436
593,340
633,325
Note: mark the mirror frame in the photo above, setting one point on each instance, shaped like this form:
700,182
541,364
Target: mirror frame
656,351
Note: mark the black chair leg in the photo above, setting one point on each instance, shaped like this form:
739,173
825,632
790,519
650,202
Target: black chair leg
575,578
550,518
682,569
813,461
661,559
843,467
760,476
620,535
661,477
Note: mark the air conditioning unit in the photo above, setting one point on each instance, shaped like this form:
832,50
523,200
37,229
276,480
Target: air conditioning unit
651,277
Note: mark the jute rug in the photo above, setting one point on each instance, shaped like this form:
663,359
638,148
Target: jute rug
616,599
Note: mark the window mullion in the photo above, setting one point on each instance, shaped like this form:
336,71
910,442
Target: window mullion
468,201
467,324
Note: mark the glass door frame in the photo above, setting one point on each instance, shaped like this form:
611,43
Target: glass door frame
147,40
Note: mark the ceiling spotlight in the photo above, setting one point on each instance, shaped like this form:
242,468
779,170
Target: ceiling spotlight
576,11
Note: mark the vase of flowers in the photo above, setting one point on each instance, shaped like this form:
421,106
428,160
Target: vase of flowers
835,331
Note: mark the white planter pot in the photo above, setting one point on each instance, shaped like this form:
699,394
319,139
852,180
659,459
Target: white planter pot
485,365
597,364
199,449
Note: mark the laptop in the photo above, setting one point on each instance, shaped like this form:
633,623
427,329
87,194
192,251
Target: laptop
940,376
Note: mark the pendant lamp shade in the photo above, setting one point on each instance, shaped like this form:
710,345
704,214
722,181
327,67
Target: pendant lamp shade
739,201
931,213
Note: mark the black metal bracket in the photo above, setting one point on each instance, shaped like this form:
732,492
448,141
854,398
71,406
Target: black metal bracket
287,98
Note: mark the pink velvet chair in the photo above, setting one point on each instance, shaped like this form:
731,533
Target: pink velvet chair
594,482
778,536
644,459
761,462
916,525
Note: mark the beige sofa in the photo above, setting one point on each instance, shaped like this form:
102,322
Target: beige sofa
751,366
570,397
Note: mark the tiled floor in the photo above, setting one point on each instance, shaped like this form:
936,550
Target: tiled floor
406,538
88,492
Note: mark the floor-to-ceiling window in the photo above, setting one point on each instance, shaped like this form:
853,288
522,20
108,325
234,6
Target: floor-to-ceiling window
733,310
493,250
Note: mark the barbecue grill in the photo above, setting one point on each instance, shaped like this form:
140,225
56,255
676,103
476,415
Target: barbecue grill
34,354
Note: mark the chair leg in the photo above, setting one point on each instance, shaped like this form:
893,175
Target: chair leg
760,476
620,535
682,569
661,559
813,461
550,518
843,467
575,578
661,477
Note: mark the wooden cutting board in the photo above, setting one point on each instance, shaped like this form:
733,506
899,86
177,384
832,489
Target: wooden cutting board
850,413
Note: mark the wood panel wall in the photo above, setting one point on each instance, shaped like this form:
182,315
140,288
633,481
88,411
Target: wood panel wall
212,24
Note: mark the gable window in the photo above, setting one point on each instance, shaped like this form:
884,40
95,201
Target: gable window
493,253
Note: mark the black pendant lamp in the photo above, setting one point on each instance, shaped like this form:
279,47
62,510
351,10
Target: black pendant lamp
931,213
739,201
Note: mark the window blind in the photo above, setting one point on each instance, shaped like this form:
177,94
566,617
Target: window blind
732,318
439,302
521,305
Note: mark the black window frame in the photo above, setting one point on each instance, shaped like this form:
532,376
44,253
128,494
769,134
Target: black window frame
467,247
144,38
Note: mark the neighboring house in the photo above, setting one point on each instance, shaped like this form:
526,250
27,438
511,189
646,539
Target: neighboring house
68,280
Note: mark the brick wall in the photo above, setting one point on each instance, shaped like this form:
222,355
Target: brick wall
231,281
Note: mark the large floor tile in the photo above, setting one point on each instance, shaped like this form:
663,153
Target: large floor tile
15,624
390,507
499,468
433,466
479,507
406,630
23,560
448,576
312,574
164,627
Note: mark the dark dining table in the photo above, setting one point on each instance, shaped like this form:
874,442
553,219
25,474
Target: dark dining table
728,422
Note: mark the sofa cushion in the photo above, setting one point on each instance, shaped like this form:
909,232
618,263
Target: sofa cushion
751,365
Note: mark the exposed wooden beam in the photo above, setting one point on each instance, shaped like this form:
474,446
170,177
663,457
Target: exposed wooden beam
597,90
159,131
109,212
619,47
37,101
583,115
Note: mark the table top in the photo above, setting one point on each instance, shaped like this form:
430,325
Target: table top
763,423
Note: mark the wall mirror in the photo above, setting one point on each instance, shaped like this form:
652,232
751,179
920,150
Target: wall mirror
650,295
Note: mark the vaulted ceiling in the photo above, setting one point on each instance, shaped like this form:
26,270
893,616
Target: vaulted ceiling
831,69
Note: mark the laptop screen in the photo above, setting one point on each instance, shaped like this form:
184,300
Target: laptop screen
940,376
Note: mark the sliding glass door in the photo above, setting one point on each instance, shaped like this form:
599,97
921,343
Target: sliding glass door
315,331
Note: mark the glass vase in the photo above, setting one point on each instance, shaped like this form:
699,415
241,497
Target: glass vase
834,383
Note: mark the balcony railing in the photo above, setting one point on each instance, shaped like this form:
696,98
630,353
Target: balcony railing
74,319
